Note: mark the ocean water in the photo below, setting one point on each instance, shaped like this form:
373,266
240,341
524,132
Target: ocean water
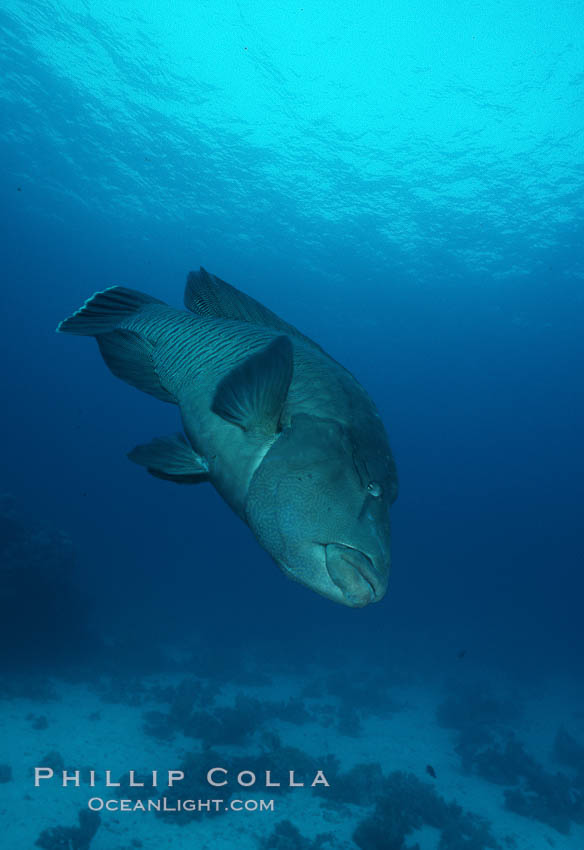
404,183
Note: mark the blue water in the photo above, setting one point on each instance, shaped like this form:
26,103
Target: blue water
402,182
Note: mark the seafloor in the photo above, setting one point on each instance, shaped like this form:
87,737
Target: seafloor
491,757
461,759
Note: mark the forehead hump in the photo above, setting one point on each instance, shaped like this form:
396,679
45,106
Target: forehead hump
310,440
374,462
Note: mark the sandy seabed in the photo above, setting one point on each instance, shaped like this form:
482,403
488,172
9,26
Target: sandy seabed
89,732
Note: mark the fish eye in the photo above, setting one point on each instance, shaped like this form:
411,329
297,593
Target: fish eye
375,489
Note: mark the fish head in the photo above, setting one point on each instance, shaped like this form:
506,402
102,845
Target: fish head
319,504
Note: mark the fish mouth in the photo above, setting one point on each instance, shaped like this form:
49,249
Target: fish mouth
354,574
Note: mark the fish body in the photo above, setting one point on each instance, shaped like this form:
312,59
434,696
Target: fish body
284,433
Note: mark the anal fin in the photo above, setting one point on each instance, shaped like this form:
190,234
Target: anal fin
130,357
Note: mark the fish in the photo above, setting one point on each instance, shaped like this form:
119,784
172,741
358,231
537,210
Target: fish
286,435
430,771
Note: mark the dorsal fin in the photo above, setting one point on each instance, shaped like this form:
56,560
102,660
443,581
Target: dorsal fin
208,295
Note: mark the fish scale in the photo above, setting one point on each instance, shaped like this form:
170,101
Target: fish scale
285,434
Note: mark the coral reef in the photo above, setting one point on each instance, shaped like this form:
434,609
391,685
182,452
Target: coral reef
568,751
42,613
405,804
125,791
71,837
474,705
224,725
189,714
356,694
360,786
279,759
349,721
551,798
121,690
27,686
364,691
286,836
293,711
488,747
157,725
500,761
54,760
195,767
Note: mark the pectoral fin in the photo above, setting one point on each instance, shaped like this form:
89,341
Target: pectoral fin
253,394
171,458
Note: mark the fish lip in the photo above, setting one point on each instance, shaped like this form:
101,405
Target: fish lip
362,564
359,568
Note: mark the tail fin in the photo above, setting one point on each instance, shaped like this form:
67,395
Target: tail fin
103,312
129,354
